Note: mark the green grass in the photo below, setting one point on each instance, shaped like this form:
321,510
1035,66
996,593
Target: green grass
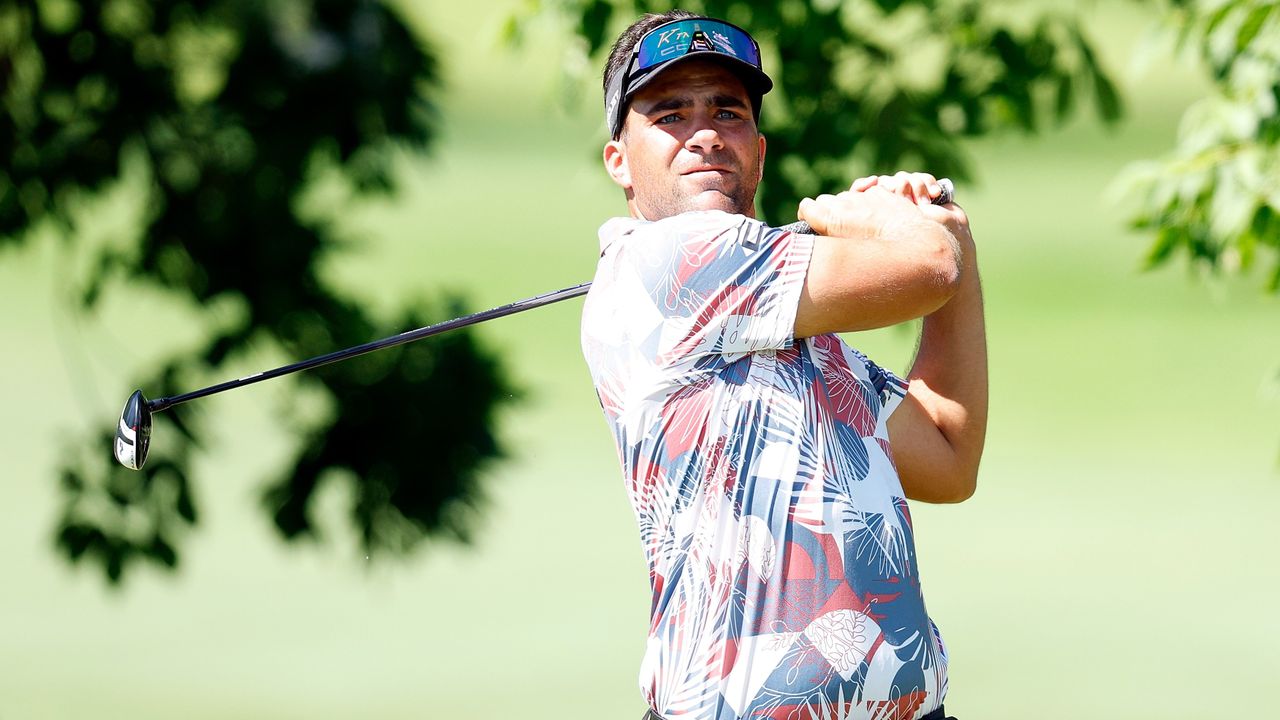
1113,563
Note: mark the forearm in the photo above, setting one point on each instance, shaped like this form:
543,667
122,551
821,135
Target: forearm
949,384
906,271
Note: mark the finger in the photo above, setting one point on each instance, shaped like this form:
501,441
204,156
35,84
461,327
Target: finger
816,212
936,213
920,188
895,192
863,183
926,187
907,187
892,183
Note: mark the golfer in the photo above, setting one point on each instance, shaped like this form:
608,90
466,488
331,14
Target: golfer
768,464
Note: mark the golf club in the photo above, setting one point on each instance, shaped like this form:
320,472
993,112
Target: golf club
133,433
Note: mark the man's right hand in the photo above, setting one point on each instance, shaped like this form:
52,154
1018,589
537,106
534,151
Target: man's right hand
858,213
878,260
923,190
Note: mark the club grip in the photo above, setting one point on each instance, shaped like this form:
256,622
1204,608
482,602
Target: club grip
948,195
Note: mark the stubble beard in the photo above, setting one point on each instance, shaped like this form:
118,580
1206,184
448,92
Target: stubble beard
671,199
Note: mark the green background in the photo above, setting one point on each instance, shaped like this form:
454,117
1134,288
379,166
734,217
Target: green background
1115,561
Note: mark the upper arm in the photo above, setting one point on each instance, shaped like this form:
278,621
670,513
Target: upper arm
864,283
930,467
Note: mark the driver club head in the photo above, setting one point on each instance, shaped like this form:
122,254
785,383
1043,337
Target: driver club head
133,434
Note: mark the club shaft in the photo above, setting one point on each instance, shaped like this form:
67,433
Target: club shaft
536,301
555,296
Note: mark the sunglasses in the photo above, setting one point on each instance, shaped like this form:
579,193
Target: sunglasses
674,40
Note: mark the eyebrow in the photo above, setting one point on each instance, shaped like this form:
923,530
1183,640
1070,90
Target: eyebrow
679,102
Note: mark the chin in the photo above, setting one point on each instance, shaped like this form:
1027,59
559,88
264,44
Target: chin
675,203
717,201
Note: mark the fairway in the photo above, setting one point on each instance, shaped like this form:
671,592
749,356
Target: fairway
1111,565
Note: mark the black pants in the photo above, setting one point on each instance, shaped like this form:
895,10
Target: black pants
935,715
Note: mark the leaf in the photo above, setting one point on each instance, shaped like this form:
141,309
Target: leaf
1167,240
1252,24
116,556
162,551
1087,56
1108,99
76,539
1217,17
185,505
1104,91
510,32
1266,226
71,480
1065,99
595,20
1247,246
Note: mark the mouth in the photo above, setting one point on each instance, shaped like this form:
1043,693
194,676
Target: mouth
701,170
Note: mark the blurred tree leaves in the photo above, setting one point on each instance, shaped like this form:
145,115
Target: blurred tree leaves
875,85
233,106
871,85
1216,196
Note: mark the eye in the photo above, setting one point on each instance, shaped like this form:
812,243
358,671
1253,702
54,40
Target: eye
667,119
723,114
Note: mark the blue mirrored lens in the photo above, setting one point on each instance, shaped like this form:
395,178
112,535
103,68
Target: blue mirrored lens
674,40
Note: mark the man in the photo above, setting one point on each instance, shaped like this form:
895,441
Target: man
767,463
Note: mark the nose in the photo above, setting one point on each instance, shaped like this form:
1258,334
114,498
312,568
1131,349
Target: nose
705,138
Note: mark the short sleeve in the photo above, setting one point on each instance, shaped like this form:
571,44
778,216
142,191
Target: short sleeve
890,388
714,283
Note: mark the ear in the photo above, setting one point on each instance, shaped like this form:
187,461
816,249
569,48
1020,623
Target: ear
615,162
761,168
